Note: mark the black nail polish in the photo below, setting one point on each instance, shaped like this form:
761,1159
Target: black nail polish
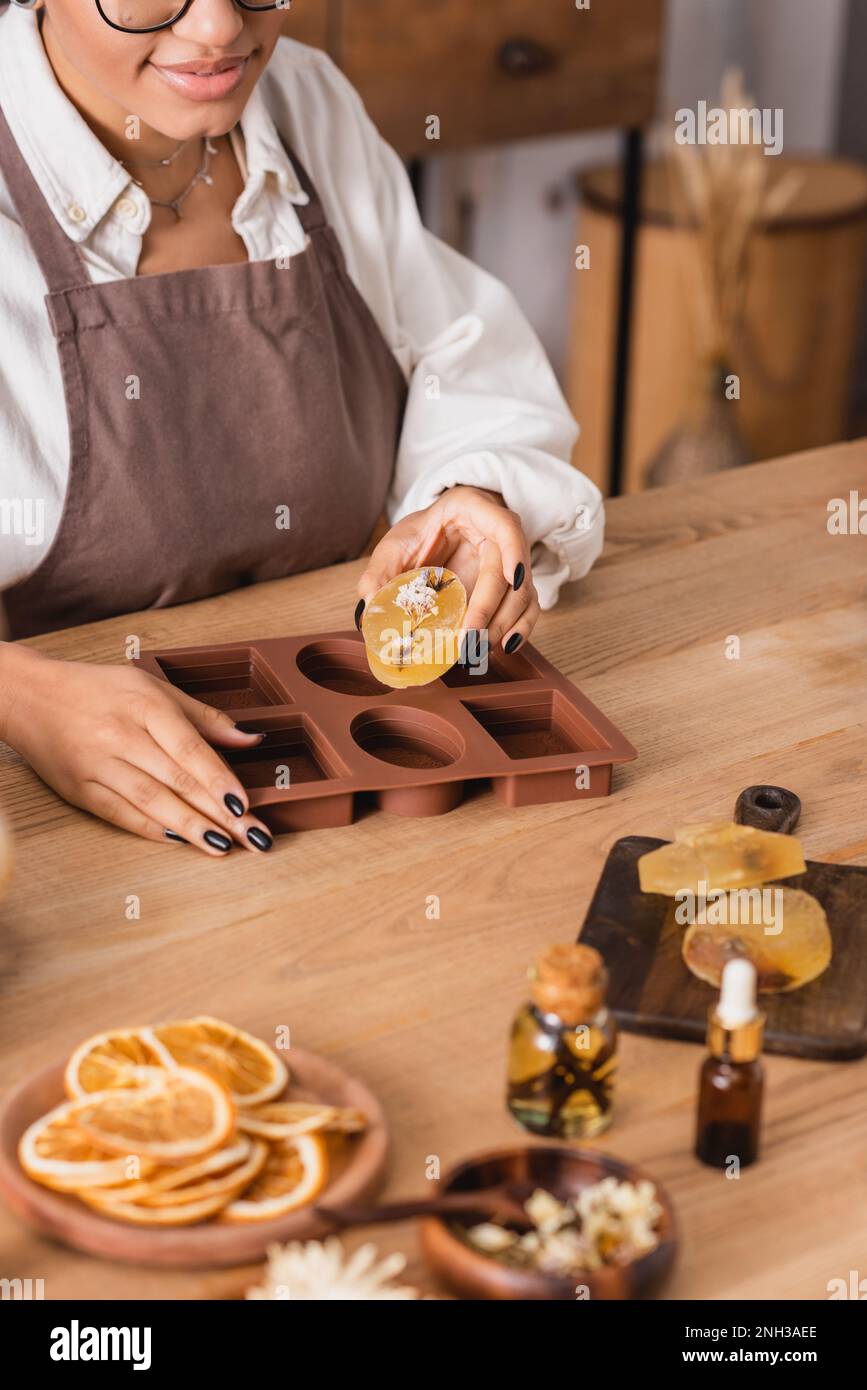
217,841
250,729
258,838
359,609
474,651
171,835
519,577
234,803
513,643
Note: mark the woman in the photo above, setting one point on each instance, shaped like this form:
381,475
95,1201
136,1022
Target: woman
249,348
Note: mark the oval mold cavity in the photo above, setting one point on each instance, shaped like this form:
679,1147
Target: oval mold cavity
340,665
406,738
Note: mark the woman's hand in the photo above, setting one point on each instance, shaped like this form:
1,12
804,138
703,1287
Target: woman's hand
129,748
471,532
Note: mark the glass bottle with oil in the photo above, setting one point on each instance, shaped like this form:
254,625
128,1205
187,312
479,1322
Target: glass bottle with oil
563,1047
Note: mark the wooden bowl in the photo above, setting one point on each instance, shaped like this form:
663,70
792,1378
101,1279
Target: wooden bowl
356,1176
563,1172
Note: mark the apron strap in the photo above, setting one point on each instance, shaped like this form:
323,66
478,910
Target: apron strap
57,256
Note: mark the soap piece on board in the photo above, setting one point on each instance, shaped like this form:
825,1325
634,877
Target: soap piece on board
788,952
720,855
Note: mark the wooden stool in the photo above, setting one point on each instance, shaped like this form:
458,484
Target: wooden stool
801,318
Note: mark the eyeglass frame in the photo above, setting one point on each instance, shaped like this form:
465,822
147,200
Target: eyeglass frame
185,7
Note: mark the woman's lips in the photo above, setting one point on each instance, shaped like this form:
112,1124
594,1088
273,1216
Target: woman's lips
205,82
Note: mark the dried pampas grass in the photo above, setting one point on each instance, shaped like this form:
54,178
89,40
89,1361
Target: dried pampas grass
723,193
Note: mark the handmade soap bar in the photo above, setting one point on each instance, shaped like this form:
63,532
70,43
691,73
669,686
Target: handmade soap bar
720,854
411,627
795,950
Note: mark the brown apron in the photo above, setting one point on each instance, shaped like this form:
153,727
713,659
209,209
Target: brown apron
227,425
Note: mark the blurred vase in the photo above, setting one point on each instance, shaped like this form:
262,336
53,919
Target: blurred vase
707,440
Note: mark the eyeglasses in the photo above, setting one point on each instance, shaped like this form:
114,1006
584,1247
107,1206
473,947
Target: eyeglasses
147,16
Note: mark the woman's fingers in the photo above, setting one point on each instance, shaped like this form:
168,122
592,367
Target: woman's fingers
408,545
515,631
110,806
212,724
480,516
144,752
512,609
181,733
161,806
488,592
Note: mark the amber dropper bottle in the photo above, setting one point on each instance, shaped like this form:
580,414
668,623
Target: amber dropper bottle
731,1079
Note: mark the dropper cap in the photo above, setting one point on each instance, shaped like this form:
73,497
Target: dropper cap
735,1025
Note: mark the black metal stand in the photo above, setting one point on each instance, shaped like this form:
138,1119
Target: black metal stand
631,201
416,170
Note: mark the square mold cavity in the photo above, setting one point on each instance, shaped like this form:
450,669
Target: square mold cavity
536,724
232,678
501,670
293,752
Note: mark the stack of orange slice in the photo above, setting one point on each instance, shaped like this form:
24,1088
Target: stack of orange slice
179,1123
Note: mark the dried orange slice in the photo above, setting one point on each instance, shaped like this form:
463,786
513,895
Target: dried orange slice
166,1178
411,626
232,1182
177,1115
246,1066
283,1119
720,855
108,1060
54,1152
293,1175
185,1215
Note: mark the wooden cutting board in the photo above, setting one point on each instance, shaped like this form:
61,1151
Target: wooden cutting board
651,991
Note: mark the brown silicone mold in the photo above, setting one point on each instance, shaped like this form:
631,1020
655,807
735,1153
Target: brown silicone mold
334,737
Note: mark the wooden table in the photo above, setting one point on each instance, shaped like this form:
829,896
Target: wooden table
329,935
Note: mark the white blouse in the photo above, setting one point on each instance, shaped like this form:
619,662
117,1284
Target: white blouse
484,406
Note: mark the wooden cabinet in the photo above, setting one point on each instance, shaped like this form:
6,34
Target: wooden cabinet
490,70
309,21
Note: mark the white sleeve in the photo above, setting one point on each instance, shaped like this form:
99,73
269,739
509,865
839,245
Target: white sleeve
484,405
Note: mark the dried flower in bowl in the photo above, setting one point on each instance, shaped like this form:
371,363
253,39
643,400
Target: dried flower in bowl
609,1223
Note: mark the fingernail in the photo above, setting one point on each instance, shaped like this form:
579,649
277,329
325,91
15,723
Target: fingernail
513,643
170,835
234,803
519,577
217,841
359,609
258,838
250,729
474,650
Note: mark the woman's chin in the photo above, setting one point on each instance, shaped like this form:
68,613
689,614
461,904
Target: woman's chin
189,105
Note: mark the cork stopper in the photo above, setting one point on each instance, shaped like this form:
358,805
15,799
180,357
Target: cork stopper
569,981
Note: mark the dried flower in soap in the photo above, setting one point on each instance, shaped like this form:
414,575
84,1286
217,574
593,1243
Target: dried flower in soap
418,598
